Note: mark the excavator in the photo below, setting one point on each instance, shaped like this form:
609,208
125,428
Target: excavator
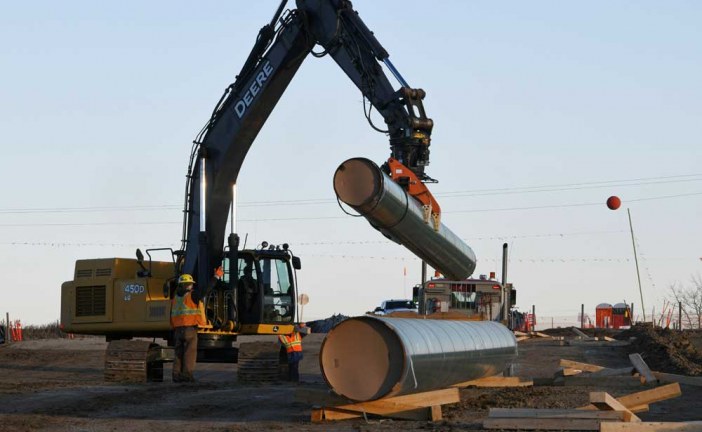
124,299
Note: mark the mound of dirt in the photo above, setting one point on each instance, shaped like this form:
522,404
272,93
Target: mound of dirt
665,350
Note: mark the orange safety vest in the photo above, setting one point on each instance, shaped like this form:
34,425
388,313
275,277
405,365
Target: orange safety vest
292,343
185,313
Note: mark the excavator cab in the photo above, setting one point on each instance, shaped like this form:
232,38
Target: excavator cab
265,287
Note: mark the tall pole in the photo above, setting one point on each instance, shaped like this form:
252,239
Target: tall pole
636,260
582,316
679,315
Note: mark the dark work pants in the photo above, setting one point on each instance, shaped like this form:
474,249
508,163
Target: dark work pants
293,366
185,353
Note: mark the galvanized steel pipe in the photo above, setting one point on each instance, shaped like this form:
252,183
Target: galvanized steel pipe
367,358
361,184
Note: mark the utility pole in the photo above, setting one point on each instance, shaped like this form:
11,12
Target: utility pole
636,260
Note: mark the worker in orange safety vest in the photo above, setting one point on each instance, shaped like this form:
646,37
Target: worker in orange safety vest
293,347
187,313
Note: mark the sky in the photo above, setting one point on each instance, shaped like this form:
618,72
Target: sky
542,110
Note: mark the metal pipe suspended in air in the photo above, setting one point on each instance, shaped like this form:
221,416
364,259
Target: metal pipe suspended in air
367,358
361,184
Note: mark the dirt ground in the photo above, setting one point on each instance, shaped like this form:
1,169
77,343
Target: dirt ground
57,385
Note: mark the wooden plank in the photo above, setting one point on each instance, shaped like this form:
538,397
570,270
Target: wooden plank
542,424
609,339
496,381
642,368
543,335
695,426
587,367
430,398
418,406
646,397
615,381
521,338
518,333
682,379
627,371
554,413
604,401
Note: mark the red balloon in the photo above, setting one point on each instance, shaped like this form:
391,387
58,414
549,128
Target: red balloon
613,202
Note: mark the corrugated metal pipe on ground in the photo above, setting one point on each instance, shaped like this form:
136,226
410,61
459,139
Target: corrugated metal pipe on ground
367,358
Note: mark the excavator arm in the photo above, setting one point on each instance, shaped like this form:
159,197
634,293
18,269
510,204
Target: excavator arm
280,48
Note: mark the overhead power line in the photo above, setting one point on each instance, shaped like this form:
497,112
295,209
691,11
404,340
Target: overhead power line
643,181
314,218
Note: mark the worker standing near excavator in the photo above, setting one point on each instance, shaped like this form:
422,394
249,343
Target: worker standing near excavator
293,347
187,313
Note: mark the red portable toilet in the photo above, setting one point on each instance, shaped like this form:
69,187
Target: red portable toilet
603,315
621,315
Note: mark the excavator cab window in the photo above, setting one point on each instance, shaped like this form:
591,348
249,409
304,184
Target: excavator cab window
278,304
265,289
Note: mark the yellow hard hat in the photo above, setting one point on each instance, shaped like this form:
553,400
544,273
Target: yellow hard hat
185,279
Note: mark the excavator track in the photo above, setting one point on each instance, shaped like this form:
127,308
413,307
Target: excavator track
260,362
130,361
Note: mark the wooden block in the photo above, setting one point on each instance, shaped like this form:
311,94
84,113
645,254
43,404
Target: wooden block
604,401
609,339
554,413
496,381
642,368
615,381
582,366
542,424
436,413
627,371
682,379
695,426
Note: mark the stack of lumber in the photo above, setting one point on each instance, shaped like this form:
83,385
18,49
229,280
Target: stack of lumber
602,410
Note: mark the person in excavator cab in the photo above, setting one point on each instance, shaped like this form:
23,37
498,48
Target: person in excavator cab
187,313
